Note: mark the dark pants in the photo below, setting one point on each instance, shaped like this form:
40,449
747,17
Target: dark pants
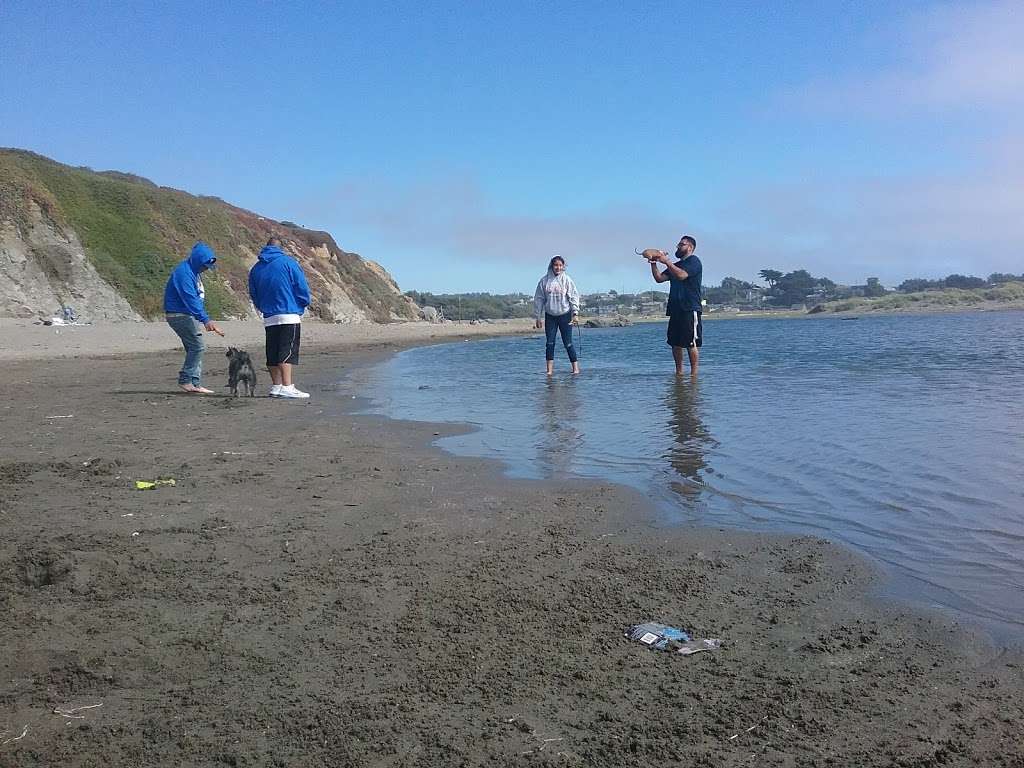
552,325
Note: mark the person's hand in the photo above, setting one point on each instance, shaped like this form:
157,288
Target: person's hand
536,323
212,327
575,319
664,258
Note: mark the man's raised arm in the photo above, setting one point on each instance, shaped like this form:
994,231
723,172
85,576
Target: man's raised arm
671,269
659,277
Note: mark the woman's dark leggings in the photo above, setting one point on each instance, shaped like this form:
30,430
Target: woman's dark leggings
552,325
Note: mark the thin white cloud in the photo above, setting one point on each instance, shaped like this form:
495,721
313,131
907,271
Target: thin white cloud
890,228
456,217
950,58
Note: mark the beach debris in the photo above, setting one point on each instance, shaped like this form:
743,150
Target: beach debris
16,738
146,485
748,730
69,416
662,637
72,713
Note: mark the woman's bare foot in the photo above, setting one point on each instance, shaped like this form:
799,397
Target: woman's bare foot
187,388
575,369
203,391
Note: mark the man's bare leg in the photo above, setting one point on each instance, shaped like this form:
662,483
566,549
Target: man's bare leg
694,354
677,355
275,374
286,374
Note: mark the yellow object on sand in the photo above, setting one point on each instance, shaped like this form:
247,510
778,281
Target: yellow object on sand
145,485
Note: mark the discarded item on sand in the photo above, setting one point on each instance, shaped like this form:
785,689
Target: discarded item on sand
145,485
665,638
72,713
16,738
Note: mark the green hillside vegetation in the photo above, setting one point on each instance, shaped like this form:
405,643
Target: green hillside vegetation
134,232
949,298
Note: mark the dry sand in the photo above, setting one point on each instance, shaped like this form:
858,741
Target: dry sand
323,589
29,340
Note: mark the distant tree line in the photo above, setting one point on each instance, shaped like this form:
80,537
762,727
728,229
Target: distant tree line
476,306
489,306
800,287
957,281
782,290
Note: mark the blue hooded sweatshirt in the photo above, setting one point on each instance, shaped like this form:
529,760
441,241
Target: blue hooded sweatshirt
277,285
184,292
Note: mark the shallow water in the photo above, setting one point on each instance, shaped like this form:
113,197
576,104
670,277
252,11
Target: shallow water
901,436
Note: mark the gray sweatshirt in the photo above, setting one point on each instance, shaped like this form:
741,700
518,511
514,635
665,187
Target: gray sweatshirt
555,295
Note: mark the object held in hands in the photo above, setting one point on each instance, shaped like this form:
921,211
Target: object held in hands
651,254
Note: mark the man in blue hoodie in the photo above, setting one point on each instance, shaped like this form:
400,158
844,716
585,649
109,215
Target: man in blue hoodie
184,306
279,291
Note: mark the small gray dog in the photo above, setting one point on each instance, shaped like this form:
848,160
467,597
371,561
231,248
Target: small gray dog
241,371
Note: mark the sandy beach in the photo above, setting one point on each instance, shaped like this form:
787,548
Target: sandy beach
319,588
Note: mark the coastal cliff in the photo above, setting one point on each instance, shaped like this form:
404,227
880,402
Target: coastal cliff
104,242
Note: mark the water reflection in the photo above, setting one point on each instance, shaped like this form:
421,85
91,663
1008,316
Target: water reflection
691,439
559,435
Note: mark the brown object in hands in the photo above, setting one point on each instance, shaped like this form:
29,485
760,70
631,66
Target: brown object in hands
651,254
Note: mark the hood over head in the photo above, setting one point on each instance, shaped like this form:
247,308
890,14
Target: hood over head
202,257
551,265
271,252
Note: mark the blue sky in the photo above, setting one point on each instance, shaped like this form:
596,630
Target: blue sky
460,145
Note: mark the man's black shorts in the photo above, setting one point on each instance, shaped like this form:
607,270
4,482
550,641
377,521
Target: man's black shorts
283,343
685,329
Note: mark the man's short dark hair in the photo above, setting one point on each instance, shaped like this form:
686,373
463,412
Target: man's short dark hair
274,241
691,240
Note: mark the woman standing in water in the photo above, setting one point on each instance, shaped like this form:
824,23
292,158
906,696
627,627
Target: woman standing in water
557,302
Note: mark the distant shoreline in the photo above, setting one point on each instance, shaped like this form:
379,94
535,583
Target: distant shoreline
877,311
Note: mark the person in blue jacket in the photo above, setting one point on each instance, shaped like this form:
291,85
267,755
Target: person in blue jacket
185,310
279,291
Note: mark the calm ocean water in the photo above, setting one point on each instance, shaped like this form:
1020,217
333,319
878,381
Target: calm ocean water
900,436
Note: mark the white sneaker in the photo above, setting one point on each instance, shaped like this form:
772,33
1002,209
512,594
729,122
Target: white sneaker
291,392
275,391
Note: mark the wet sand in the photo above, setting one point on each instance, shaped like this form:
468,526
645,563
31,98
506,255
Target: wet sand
323,589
